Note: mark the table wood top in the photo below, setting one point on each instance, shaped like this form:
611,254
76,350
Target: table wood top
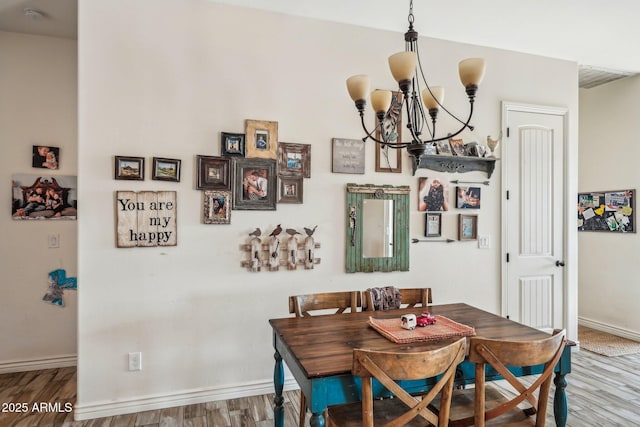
322,346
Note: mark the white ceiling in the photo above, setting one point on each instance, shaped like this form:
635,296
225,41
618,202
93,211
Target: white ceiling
590,32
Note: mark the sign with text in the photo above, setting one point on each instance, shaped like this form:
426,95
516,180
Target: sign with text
146,218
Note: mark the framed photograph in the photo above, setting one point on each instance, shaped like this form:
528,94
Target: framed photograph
261,139
166,169
467,227
433,224
443,148
217,207
389,159
290,190
131,168
347,156
40,197
254,185
433,195
608,211
231,144
457,146
468,197
294,160
214,173
45,157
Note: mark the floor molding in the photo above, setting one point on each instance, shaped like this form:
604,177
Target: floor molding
613,330
149,403
37,364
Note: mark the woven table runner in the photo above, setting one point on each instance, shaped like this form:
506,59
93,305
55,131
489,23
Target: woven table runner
443,328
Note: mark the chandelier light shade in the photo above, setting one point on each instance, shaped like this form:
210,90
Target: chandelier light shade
421,108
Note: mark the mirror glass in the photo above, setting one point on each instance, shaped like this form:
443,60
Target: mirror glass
377,220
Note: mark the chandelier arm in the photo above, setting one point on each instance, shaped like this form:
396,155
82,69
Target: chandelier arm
465,125
369,135
414,135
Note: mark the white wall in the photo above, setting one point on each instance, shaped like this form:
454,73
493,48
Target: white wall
164,79
609,151
38,105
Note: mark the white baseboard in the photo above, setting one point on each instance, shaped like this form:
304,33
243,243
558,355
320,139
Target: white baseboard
36,364
613,330
139,404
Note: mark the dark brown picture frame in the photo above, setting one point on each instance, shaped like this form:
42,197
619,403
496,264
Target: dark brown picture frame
252,176
294,160
433,224
291,190
166,169
392,122
467,227
129,168
213,173
232,144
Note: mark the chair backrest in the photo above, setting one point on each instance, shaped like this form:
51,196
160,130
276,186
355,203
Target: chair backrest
337,302
410,297
500,354
388,367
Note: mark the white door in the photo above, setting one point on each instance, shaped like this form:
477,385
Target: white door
533,215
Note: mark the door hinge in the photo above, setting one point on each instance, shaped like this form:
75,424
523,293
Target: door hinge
507,194
507,132
507,256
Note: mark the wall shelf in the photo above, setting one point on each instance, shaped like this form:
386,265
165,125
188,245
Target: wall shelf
461,164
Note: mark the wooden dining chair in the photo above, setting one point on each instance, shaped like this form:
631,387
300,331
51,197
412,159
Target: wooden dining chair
409,297
490,407
319,304
404,409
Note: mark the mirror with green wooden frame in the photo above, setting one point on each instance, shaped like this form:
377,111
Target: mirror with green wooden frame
377,220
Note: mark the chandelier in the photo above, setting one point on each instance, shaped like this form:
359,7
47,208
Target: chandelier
406,69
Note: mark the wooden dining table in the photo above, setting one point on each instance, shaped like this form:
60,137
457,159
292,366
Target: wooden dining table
318,351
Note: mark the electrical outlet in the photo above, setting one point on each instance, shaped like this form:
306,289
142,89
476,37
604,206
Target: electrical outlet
54,240
135,361
484,242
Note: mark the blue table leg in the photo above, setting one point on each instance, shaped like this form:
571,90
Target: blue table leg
278,383
560,404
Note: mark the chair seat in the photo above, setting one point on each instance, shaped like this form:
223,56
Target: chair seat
350,414
462,404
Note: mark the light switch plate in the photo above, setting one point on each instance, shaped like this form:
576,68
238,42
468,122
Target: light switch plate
484,242
54,240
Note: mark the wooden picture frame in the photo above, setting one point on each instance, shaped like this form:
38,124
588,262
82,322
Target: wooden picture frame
433,224
254,185
607,211
216,207
467,227
166,169
291,190
213,173
347,155
232,144
129,168
389,159
468,197
457,146
294,160
261,139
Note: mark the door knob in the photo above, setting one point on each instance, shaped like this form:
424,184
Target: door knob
559,264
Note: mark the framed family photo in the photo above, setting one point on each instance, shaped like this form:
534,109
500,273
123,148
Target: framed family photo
467,227
433,224
130,168
468,197
261,139
291,190
45,157
294,160
214,173
254,185
389,159
232,144
217,207
166,169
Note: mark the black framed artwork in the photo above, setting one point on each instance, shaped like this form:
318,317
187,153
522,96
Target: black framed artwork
214,173
254,185
232,144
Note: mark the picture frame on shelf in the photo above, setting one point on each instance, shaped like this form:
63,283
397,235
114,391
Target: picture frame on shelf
467,227
166,169
213,173
291,190
217,207
468,197
254,185
443,148
389,159
129,168
347,155
261,139
232,144
457,146
433,224
294,160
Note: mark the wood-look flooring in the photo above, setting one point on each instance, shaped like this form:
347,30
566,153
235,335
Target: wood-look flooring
602,391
